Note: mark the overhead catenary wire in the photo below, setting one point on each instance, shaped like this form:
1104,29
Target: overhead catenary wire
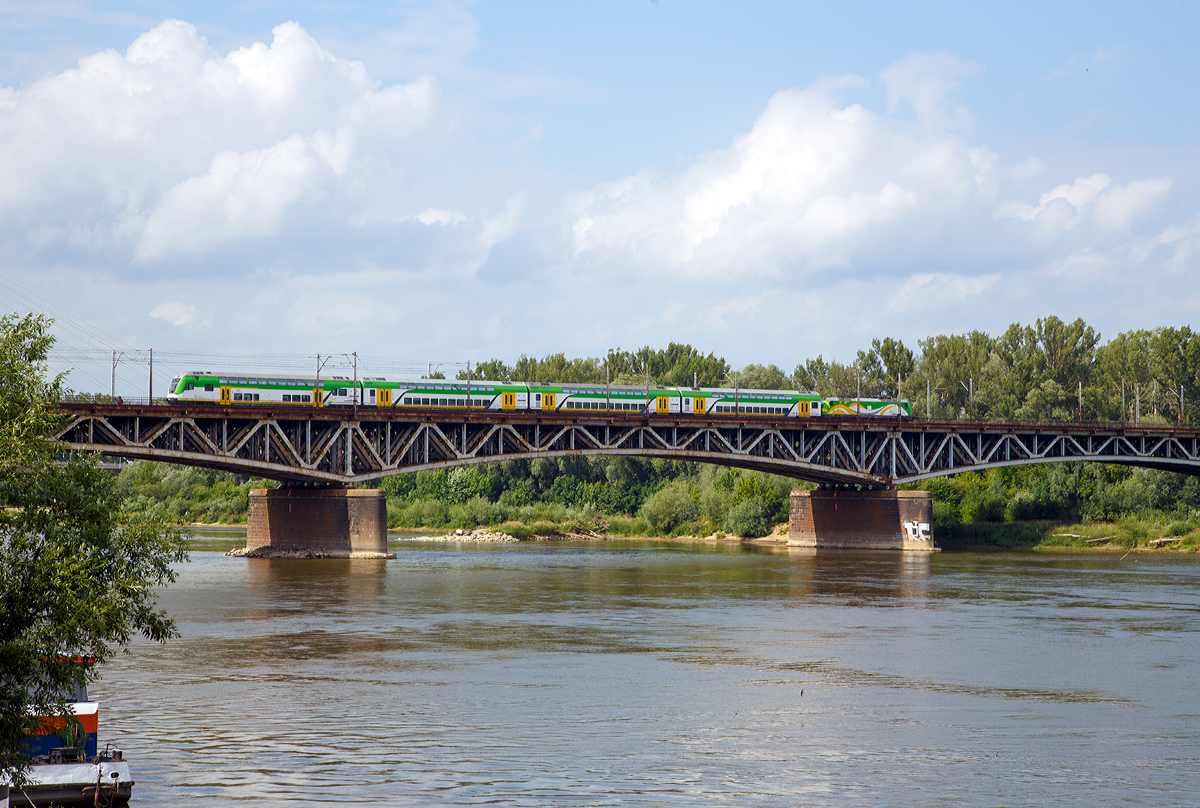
81,342
87,350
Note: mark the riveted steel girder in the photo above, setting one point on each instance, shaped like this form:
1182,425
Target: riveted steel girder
334,446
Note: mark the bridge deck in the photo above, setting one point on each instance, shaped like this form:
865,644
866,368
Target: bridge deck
342,446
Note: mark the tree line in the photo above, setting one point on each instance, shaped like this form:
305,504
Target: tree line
1048,371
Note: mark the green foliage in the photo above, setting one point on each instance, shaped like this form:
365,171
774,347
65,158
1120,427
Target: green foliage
761,377
77,569
492,370
749,518
676,366
1044,371
672,506
186,495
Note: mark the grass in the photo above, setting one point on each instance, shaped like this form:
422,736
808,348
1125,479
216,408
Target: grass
1128,532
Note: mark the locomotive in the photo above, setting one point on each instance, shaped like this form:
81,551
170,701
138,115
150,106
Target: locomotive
338,391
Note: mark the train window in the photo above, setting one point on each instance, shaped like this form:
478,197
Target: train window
256,396
372,392
237,396
190,386
342,391
286,397
208,388
308,399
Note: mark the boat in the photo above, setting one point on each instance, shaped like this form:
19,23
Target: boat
68,767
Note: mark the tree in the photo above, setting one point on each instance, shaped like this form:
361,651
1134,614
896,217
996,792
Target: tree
77,574
762,377
492,370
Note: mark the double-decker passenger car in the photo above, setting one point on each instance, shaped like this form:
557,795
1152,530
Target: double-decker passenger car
339,391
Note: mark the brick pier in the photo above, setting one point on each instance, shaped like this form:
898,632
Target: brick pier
328,522
862,520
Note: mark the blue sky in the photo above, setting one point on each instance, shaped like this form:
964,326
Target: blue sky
445,181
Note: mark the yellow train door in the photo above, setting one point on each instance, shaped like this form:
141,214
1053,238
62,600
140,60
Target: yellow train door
664,404
547,401
698,405
385,397
508,401
226,395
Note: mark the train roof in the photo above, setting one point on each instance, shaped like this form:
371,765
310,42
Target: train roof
574,387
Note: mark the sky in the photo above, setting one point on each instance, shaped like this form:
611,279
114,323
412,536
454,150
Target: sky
451,182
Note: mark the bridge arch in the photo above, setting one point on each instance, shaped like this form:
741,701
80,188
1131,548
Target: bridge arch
343,447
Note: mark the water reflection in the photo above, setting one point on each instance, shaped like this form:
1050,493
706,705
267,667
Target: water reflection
338,582
857,577
656,673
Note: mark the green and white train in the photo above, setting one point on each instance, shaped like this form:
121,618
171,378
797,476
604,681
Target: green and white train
338,391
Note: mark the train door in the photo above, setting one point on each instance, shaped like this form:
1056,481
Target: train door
385,397
318,398
664,404
508,401
698,406
226,395
547,401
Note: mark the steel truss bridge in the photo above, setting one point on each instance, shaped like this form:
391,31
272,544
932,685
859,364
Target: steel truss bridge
341,446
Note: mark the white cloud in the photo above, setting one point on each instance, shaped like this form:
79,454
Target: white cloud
173,149
924,80
1119,205
437,216
924,290
175,313
1110,206
501,226
813,183
1078,194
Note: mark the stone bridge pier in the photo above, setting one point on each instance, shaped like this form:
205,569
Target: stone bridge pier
862,520
317,522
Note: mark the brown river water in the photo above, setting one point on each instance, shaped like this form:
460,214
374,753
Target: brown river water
642,673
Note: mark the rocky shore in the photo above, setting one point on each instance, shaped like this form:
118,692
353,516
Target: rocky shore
283,552
479,534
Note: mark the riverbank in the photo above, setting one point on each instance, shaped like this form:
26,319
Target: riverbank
1146,535
487,536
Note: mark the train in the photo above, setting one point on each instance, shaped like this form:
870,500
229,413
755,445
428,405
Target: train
338,391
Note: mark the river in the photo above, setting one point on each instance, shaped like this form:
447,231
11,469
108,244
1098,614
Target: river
642,673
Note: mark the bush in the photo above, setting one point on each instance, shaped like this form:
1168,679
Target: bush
983,507
945,514
670,507
477,511
1027,507
516,530
519,494
627,526
749,518
714,505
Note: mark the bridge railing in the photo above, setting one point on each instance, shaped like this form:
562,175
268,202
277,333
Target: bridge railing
916,421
